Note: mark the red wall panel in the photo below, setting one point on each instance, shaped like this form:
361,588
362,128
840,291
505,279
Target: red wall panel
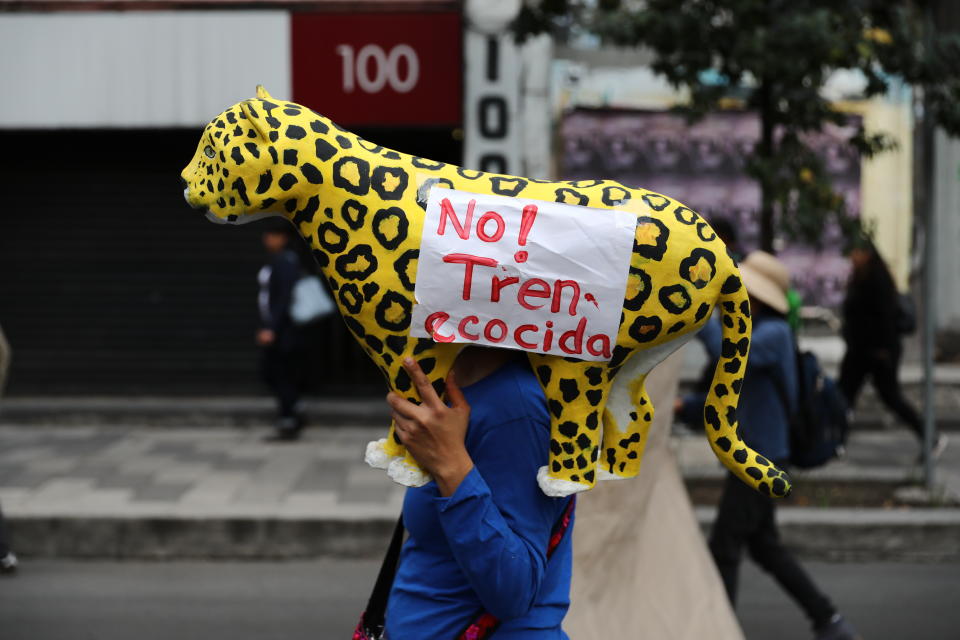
379,69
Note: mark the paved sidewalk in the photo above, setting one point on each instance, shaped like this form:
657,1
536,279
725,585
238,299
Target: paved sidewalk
199,472
191,472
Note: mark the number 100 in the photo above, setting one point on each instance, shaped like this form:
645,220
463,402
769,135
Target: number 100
386,68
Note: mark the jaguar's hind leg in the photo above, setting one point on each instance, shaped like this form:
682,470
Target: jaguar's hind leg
576,392
629,412
626,424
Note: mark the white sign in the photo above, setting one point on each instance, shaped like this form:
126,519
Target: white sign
522,274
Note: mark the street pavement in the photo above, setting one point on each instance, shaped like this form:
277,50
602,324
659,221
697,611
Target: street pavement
321,599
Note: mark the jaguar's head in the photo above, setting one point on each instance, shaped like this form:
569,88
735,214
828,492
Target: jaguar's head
253,160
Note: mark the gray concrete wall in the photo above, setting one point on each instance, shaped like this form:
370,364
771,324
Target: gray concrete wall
947,239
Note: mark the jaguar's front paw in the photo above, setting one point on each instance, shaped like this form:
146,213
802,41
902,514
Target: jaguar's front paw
603,474
558,488
376,455
406,474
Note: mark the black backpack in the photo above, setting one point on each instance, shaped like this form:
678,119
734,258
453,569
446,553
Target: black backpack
819,426
906,314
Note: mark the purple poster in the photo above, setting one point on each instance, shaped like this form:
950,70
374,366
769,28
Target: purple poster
702,165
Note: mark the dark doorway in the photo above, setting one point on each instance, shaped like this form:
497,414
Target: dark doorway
110,284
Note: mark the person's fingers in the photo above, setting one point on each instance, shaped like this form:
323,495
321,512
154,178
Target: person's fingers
393,400
399,430
406,415
420,380
402,405
454,394
404,425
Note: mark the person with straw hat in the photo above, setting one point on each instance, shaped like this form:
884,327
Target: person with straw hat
747,518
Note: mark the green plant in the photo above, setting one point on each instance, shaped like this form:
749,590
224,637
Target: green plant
775,56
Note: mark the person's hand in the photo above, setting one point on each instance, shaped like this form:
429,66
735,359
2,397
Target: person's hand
432,432
265,337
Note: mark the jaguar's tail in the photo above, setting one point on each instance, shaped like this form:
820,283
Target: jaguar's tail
720,410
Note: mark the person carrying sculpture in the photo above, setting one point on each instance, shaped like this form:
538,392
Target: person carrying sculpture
280,340
872,332
745,517
479,533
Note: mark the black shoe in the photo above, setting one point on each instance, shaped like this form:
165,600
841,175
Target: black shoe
283,435
8,563
939,446
287,430
837,629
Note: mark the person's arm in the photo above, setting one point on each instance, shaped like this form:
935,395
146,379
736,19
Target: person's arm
887,316
501,546
689,409
500,549
767,345
283,278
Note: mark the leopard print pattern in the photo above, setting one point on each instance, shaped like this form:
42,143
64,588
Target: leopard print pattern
361,208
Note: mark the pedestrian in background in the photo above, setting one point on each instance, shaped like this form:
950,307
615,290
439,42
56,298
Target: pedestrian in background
746,517
8,561
688,408
4,361
872,327
728,234
279,337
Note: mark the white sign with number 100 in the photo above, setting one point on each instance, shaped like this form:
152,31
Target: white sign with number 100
385,68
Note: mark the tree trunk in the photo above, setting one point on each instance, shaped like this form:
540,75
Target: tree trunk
765,150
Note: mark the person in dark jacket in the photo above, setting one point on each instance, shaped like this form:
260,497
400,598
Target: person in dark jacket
745,517
8,560
278,336
870,329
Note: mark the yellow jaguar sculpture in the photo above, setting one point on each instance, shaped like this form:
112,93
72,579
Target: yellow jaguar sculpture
360,207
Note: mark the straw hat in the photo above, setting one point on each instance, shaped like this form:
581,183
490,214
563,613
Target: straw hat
766,279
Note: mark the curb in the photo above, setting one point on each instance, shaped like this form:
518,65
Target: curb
241,411
863,535
171,538
925,535
247,411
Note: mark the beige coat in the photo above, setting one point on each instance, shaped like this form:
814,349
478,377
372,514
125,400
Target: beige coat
641,568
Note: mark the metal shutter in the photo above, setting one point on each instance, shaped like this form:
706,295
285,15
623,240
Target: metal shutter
109,284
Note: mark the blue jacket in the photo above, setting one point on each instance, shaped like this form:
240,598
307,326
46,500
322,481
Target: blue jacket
484,547
276,296
771,374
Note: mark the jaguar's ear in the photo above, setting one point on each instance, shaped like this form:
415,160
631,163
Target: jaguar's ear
255,115
262,93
